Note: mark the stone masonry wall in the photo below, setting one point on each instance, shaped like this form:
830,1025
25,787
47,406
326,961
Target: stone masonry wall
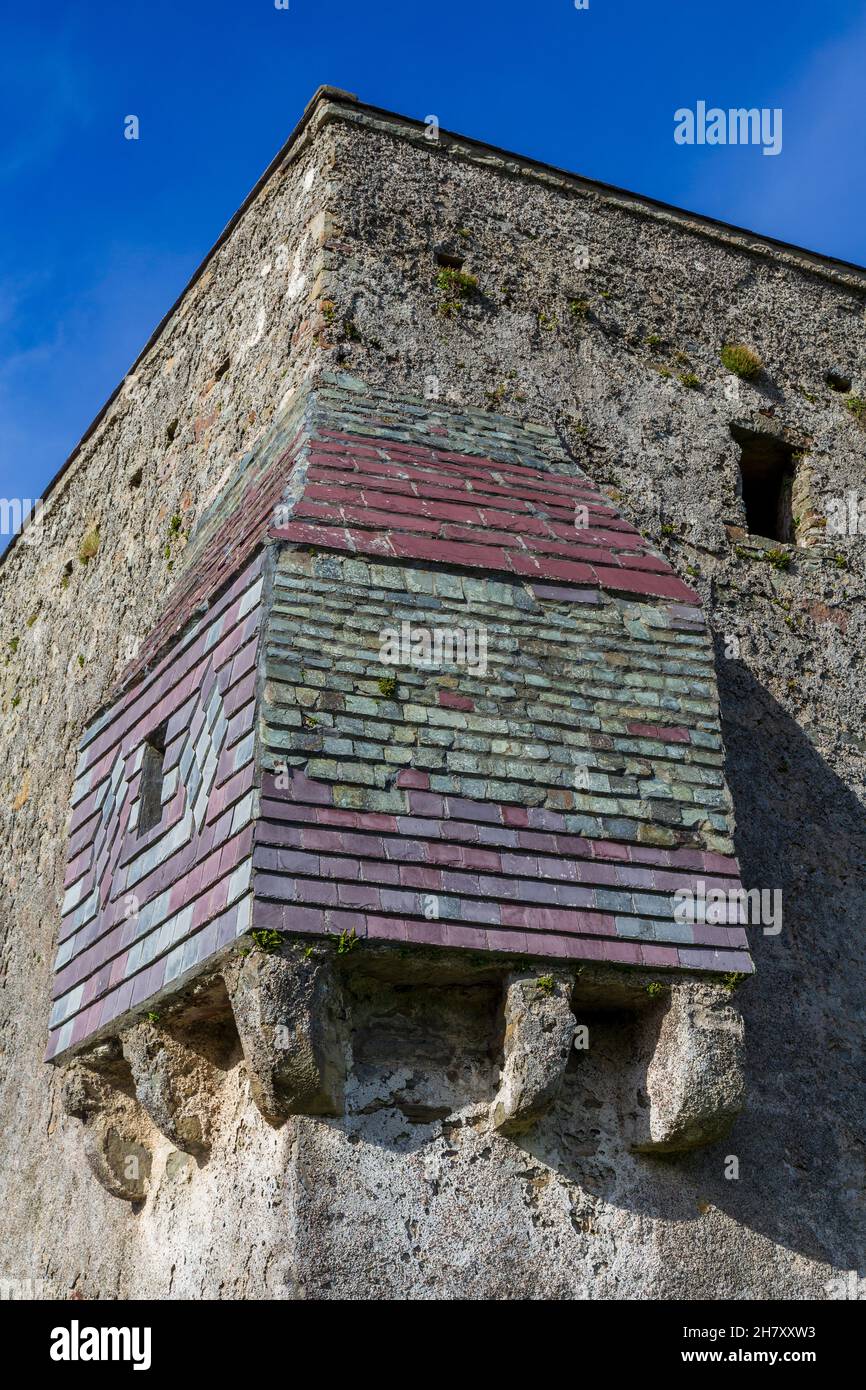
369,1204
657,300
238,344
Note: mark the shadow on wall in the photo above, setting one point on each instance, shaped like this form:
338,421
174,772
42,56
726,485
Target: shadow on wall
803,1134
421,1053
801,1139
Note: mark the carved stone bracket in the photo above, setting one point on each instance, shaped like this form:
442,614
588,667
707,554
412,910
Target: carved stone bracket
290,1020
163,1075
290,1016
97,1090
173,1084
692,1050
539,1033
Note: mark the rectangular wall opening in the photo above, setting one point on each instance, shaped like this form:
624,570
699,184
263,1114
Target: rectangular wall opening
767,475
152,772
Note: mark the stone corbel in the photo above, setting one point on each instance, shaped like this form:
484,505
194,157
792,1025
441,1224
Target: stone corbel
290,1018
97,1090
539,1033
173,1083
691,1051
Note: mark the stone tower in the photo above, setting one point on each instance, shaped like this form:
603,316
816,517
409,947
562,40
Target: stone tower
447,652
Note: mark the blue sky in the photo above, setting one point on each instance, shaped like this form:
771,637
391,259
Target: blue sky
99,234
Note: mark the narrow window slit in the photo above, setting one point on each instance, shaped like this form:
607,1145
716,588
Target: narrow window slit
767,474
152,776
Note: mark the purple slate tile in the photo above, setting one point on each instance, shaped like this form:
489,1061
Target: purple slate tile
425,933
387,929
501,939
658,956
403,902
372,872
546,944
461,809
477,938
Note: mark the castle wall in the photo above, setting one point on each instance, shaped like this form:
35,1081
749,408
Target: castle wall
789,641
239,343
395,1199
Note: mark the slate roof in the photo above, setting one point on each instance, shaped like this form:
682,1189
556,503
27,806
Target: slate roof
550,804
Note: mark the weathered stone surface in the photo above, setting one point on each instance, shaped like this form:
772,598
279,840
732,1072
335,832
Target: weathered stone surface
173,1083
118,1141
289,1015
691,1051
539,1032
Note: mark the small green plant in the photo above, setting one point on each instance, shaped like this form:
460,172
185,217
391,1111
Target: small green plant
80,660
267,941
310,721
34,617
346,942
544,984
740,360
16,701
152,1017
456,282
654,989
579,308
689,380
856,405
13,643
654,340
779,559
351,331
732,979
840,561
668,529
89,546
458,286
387,686
665,372
547,322
175,524
329,309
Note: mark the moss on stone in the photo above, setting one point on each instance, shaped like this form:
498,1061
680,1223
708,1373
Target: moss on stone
779,559
457,287
741,360
89,546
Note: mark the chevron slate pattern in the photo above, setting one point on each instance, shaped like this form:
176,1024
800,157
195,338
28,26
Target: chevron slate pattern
423,684
141,909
